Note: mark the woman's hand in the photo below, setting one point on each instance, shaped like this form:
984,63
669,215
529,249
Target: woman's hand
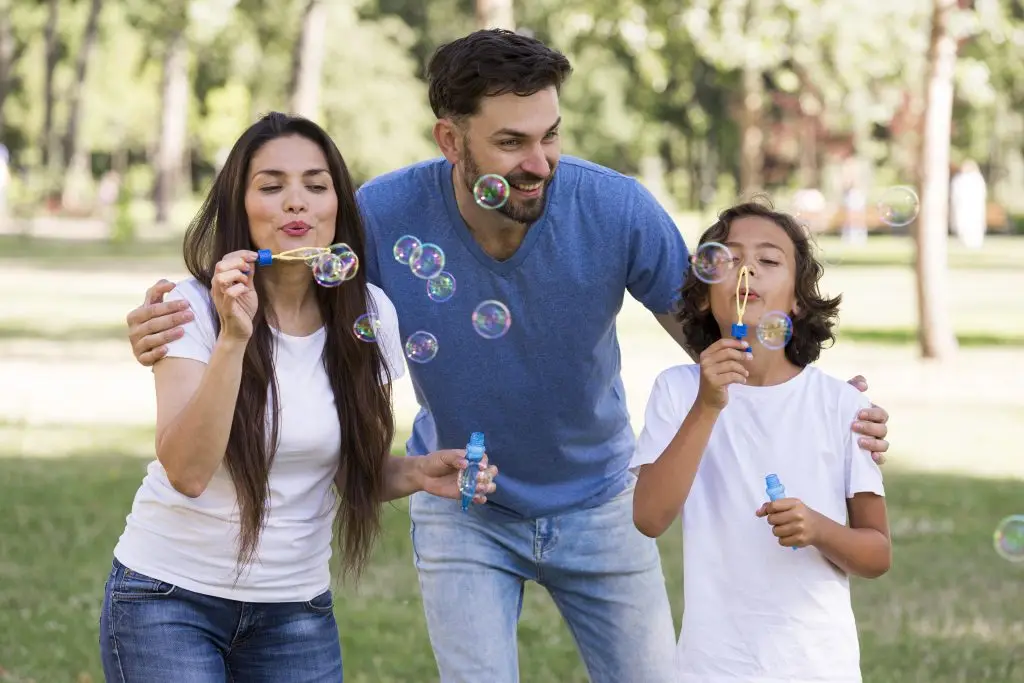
234,295
440,473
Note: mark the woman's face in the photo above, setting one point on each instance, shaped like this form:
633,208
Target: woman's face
290,199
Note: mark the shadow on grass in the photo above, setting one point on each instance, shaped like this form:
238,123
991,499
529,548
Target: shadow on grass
904,336
78,333
947,611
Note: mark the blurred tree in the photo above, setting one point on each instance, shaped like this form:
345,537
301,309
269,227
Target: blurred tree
495,14
308,60
935,328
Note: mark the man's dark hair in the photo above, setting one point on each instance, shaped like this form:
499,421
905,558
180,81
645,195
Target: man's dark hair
489,63
812,326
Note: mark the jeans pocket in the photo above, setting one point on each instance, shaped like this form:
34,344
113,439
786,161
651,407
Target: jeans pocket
135,586
321,604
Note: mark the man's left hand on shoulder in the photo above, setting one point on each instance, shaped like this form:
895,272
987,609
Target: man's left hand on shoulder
872,425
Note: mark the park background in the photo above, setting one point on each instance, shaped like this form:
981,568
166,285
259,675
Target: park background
117,113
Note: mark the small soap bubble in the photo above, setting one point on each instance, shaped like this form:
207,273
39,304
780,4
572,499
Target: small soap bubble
712,262
366,327
329,271
421,347
427,261
491,319
1009,538
898,206
442,287
404,246
491,191
774,330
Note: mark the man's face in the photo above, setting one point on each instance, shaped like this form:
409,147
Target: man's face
515,137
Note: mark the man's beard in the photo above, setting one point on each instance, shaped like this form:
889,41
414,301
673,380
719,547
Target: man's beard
523,212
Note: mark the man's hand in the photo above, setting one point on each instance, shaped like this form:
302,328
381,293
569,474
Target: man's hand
154,324
871,425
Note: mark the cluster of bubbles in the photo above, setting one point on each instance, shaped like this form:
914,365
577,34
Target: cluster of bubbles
1009,538
491,319
712,264
332,265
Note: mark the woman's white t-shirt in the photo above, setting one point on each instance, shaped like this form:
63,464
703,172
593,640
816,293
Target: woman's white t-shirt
193,542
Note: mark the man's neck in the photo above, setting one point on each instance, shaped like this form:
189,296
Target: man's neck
497,234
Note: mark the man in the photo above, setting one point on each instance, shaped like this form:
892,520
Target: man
572,238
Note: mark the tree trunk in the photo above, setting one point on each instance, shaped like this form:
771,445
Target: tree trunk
46,145
308,60
752,145
495,14
170,155
74,98
935,328
11,50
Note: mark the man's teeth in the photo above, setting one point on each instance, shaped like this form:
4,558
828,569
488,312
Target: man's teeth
527,188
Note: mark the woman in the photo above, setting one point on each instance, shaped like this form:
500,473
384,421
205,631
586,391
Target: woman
265,401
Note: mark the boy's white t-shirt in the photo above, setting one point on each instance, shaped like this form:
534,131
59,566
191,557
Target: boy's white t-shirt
755,611
193,542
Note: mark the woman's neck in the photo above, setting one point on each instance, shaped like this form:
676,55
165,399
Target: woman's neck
291,293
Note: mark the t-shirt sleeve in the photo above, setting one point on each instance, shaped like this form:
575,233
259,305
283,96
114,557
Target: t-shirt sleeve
670,401
370,262
388,335
199,336
658,257
862,473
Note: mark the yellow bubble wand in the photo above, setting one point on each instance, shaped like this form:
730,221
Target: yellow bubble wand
739,330
309,255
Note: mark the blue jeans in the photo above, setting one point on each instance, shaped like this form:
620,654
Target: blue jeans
153,632
603,574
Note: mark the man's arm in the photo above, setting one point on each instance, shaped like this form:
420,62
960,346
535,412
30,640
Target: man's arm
675,329
155,324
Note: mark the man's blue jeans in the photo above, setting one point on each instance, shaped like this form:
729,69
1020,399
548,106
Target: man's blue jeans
153,632
603,574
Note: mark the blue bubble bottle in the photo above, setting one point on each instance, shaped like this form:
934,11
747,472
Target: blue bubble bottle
468,476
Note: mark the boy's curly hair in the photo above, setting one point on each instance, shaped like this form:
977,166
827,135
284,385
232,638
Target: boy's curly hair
812,326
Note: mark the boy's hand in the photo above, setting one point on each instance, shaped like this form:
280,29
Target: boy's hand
722,364
795,524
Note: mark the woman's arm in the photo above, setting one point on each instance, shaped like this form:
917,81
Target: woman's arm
403,477
195,407
863,548
664,485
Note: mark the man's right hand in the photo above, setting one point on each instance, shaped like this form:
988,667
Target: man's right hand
154,324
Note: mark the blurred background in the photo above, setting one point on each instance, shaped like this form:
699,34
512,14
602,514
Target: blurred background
894,129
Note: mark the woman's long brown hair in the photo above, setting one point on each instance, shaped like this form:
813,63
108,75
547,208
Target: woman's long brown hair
358,373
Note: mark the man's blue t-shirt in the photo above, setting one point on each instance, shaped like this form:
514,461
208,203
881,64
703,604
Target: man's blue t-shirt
548,395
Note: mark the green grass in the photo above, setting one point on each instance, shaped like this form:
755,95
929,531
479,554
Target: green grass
949,611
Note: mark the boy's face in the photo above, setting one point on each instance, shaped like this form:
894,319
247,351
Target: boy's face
770,257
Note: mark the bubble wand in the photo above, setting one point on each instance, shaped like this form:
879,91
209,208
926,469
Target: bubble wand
739,330
331,265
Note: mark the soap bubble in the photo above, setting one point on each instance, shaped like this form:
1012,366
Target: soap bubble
491,319
712,262
442,287
1009,538
366,327
491,191
426,261
404,246
898,206
774,330
347,257
329,271
421,347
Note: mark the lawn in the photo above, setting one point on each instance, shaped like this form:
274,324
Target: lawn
76,429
